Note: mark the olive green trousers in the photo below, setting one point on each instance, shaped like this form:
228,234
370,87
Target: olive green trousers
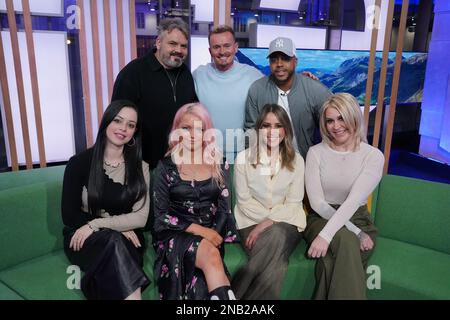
341,274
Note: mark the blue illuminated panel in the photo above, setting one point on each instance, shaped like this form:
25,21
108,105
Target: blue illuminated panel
435,121
445,137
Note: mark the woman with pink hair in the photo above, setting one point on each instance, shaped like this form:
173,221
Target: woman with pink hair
192,211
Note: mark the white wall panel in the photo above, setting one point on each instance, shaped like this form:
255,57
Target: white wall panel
38,7
90,62
126,30
114,42
102,51
289,5
204,10
357,40
304,38
54,90
53,77
199,51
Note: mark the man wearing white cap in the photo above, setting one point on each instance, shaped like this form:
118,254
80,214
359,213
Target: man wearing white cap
299,95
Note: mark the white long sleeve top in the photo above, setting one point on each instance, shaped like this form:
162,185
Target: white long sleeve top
260,195
342,178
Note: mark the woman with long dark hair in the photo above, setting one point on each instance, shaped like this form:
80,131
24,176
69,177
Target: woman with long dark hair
192,211
269,214
105,202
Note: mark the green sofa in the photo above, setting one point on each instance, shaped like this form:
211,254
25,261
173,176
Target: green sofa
412,254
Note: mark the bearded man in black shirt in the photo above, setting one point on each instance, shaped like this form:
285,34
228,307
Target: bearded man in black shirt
159,83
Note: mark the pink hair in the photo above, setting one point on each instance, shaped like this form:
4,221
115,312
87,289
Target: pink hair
198,110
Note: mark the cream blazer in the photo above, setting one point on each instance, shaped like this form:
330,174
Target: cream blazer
260,195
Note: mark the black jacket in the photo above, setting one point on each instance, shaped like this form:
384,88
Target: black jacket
145,82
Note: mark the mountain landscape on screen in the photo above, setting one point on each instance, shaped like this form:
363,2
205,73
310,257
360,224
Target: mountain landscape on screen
346,71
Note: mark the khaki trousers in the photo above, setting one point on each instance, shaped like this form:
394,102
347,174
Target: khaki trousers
262,277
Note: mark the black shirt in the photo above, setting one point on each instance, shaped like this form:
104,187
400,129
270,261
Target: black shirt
76,177
158,93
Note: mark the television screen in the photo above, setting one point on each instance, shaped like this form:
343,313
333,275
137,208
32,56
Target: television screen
346,71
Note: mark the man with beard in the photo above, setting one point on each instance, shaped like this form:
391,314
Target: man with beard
159,83
299,95
222,87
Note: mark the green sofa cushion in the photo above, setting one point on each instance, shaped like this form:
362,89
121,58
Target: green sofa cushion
8,294
42,278
299,280
414,211
412,250
149,260
235,257
25,177
151,292
33,280
31,222
410,272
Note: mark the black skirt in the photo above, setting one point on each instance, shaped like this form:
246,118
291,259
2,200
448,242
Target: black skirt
112,265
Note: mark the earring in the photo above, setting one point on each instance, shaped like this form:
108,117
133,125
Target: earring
132,145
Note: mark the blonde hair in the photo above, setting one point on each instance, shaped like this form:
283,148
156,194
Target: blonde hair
348,108
221,29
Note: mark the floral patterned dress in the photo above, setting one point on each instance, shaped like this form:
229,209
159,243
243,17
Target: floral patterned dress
178,204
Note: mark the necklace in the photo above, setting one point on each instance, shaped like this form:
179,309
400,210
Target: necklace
113,164
283,98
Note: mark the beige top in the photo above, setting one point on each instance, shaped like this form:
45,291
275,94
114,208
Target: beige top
259,195
343,178
128,221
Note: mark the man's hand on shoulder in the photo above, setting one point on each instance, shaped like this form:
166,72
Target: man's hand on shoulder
310,75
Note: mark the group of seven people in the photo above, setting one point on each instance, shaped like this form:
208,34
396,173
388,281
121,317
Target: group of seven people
156,124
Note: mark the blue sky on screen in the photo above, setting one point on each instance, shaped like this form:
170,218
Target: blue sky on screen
327,60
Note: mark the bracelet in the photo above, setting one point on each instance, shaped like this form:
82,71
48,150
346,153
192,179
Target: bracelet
92,228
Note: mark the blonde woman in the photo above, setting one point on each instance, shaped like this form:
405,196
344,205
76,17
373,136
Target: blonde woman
269,186
192,213
341,173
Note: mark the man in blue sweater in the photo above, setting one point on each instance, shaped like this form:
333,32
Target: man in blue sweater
222,87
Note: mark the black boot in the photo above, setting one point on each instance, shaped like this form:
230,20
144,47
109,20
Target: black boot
222,293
